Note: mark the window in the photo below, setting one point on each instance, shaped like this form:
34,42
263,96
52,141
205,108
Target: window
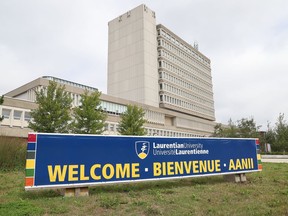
17,115
6,113
27,116
111,127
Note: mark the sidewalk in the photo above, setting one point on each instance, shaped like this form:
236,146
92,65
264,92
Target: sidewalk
274,158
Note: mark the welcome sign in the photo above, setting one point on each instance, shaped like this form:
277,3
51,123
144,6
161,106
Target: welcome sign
61,161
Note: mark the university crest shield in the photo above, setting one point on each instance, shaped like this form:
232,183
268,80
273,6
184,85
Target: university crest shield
142,149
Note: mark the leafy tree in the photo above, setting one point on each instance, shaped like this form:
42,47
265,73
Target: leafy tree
229,130
53,112
281,134
248,128
88,118
1,102
218,130
244,128
132,121
270,136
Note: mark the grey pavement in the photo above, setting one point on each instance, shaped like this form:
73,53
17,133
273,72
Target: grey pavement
274,158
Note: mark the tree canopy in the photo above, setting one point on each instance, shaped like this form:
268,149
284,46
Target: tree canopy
53,112
88,117
132,121
244,128
278,136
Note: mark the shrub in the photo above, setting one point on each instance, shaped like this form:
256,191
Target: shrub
12,153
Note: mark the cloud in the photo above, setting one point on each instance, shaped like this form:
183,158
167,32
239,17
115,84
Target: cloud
247,43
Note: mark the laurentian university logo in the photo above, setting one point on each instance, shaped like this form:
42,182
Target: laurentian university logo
142,149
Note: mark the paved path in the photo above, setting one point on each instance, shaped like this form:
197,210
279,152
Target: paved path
274,158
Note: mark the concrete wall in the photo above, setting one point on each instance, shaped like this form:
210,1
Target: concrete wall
132,57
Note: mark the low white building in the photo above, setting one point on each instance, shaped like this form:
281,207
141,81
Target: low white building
163,122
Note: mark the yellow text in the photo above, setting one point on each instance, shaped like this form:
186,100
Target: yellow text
76,172
185,167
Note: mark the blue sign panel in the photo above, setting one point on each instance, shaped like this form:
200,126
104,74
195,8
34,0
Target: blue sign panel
79,160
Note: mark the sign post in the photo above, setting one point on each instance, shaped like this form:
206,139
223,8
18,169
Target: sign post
75,161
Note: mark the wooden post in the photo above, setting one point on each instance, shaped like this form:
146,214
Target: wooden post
236,178
75,192
243,177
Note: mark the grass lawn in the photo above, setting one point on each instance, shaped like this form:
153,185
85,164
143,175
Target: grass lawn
264,193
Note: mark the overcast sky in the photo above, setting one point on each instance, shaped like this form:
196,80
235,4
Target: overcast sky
246,41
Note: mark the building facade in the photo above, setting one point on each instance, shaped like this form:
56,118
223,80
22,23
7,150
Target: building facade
185,81
148,66
132,57
162,122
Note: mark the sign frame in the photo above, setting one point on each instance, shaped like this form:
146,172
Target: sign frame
169,158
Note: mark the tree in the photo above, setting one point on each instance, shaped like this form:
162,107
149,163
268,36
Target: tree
248,128
88,118
244,128
53,112
281,135
1,102
270,136
229,130
218,130
132,121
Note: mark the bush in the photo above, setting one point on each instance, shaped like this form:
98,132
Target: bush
12,153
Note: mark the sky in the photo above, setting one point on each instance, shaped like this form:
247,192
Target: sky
246,41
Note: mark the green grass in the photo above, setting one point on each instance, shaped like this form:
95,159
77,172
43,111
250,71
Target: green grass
12,153
264,193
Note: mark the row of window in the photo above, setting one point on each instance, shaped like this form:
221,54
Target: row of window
154,117
191,69
203,70
109,127
186,123
31,94
112,128
186,105
66,82
176,60
16,114
188,85
112,108
169,133
182,46
185,74
179,92
118,109
76,98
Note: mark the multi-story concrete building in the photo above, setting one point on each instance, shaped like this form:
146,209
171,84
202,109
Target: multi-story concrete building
132,57
19,103
148,66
